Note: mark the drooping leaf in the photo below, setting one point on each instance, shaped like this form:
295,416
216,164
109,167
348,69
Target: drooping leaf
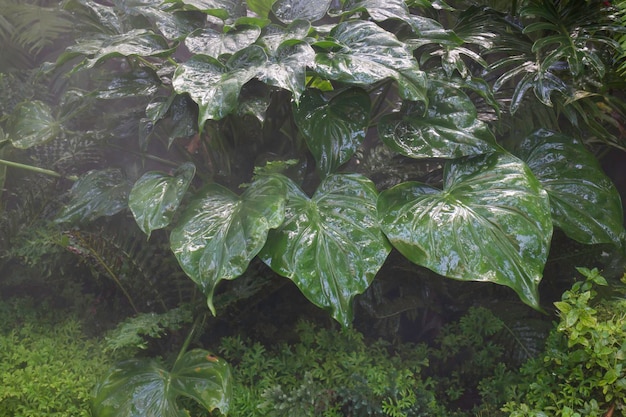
31,124
584,202
369,54
448,128
97,193
213,43
142,387
330,245
491,222
289,10
155,197
333,128
219,233
140,82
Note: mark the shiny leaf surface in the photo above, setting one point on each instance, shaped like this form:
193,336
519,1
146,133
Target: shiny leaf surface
286,68
370,54
584,202
261,7
224,9
378,10
289,10
333,128
31,124
98,193
219,232
330,245
141,82
213,43
448,128
142,387
491,222
275,35
155,197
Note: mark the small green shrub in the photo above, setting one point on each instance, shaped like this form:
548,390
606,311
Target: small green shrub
47,366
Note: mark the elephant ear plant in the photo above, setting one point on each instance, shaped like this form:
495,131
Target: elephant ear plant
270,109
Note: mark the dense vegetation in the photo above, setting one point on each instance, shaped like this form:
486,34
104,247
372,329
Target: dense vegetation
158,158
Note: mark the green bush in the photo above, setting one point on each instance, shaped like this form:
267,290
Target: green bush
47,366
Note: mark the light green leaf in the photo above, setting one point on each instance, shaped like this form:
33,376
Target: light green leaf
155,197
584,202
261,7
219,232
213,43
98,193
333,128
142,387
289,10
330,245
491,222
448,128
369,54
31,124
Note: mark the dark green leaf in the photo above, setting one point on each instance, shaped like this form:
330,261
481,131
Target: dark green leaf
378,10
213,43
219,233
449,128
142,387
98,193
287,68
141,82
491,223
31,124
155,197
584,202
330,245
333,128
289,10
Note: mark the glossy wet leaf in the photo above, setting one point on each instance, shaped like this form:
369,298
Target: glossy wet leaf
333,128
143,387
289,10
378,10
224,9
275,35
369,54
96,194
140,82
330,245
261,7
220,232
448,128
491,222
31,124
584,202
286,68
215,43
155,197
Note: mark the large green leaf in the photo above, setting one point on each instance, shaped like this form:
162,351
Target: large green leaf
330,245
261,7
219,233
369,54
378,10
287,67
333,128
275,35
584,202
289,10
140,82
143,388
491,222
448,128
96,194
31,124
215,43
224,9
155,197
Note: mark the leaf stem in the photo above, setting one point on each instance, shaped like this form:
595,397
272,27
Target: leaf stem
36,169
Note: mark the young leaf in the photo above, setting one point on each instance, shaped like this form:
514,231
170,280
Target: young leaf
31,124
155,197
142,387
584,202
219,232
333,128
491,222
330,245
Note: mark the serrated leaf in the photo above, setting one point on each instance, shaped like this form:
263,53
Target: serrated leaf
448,128
584,202
333,128
330,245
219,232
142,387
31,124
213,43
491,222
155,197
370,54
289,10
96,194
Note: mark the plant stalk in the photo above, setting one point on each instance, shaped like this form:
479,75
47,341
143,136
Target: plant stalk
36,169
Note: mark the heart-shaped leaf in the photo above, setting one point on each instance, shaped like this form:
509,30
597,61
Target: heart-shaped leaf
378,10
155,197
142,387
333,128
213,43
98,193
261,7
31,124
289,10
219,233
223,9
448,128
491,223
370,54
287,67
275,35
584,202
330,245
